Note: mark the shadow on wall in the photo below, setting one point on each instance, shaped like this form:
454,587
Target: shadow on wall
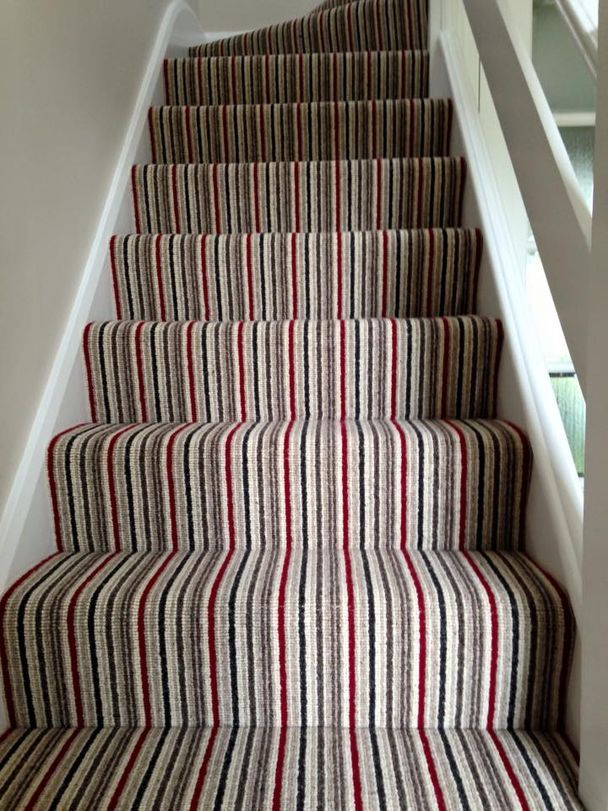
236,15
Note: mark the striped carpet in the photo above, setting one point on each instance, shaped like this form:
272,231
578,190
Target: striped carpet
292,536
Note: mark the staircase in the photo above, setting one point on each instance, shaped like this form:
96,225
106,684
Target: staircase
290,567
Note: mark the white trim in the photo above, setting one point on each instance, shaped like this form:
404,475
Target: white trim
25,525
557,527
573,118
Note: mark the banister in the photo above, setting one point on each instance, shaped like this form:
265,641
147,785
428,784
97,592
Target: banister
558,213
581,18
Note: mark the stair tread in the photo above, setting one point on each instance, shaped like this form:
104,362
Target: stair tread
484,637
280,276
313,131
167,769
296,77
367,25
443,484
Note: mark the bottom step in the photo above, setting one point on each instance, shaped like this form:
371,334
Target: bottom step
306,768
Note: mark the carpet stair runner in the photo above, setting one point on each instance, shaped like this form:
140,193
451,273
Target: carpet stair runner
292,536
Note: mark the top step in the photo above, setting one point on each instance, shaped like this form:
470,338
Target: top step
287,78
368,25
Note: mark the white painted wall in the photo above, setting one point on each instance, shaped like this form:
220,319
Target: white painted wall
70,73
241,15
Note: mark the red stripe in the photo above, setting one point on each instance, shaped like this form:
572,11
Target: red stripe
49,773
135,200
334,63
385,277
510,771
159,278
204,277
139,361
464,469
175,198
126,772
53,484
276,802
299,137
87,363
294,275
8,692
112,487
526,475
463,170
213,667
494,640
428,754
250,292
202,773
115,277
191,382
72,645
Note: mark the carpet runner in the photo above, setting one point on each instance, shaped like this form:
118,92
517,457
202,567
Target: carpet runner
291,567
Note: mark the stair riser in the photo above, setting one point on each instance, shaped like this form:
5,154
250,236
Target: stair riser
158,644
214,372
286,78
418,485
363,26
271,277
298,197
300,132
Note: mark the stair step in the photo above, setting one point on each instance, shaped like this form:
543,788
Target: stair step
271,277
309,196
284,78
327,130
211,768
181,371
193,639
367,25
421,484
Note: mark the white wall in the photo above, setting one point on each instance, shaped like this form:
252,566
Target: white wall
241,15
70,73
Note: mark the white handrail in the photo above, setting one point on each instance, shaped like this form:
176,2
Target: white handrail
556,208
581,18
